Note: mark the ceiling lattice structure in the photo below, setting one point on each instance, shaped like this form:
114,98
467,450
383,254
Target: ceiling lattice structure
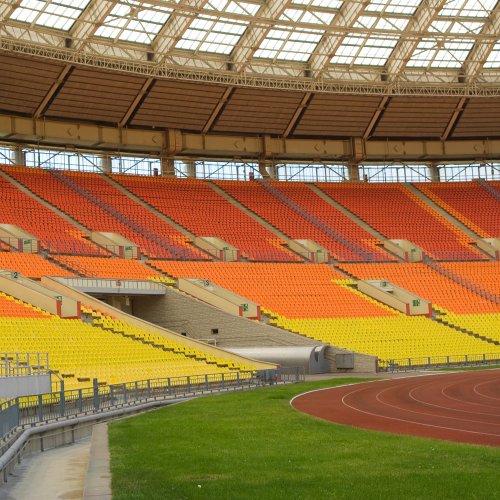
364,46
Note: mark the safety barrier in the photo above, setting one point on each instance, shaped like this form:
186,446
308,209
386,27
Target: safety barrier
45,408
427,362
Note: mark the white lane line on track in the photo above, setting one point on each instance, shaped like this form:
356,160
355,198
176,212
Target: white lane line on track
484,395
473,389
426,403
412,421
433,415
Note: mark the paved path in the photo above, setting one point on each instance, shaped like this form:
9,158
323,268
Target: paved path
55,474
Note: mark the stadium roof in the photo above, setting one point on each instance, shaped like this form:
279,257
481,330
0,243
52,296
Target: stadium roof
316,45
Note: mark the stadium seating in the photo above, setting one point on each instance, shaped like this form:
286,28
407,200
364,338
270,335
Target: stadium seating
181,200
397,213
319,302
428,284
30,265
469,202
54,232
97,205
109,350
296,226
294,290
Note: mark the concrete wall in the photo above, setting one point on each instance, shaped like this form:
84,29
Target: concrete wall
184,314
363,363
13,387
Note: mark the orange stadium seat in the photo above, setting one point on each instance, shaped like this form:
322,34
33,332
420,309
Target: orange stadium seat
181,199
397,213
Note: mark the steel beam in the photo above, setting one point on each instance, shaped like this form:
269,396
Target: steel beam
217,109
454,117
175,27
144,89
425,15
8,7
481,51
342,22
53,91
380,109
255,34
89,22
298,112
179,144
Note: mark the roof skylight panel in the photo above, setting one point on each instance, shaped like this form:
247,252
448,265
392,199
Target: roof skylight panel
400,7
493,60
307,16
468,8
324,4
60,14
134,21
433,53
211,34
291,45
365,50
233,7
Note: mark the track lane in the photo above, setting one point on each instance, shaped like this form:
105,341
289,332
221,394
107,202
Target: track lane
462,407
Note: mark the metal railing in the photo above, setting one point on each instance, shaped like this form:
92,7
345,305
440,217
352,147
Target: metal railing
428,362
19,364
44,408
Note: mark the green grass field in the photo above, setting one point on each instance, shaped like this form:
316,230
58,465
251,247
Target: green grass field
254,445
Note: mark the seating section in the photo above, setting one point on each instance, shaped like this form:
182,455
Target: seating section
394,338
109,350
294,290
469,202
196,206
296,226
30,265
105,267
98,206
428,284
483,274
319,302
55,233
355,236
397,213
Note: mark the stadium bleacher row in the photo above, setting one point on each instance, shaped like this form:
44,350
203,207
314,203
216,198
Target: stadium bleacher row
318,301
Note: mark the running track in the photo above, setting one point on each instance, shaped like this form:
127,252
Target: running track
462,407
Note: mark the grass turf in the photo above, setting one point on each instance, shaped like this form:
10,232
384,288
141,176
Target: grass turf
254,445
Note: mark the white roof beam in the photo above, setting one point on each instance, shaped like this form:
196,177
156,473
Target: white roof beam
89,21
254,35
175,27
482,49
345,19
8,7
420,23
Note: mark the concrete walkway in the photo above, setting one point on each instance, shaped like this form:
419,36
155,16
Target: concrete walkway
55,474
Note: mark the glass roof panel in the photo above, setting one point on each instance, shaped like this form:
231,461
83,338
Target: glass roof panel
60,14
212,34
467,8
493,60
433,53
307,16
400,7
233,7
134,21
365,50
324,4
288,44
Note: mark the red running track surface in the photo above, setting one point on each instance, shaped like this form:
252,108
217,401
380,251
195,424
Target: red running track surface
462,407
